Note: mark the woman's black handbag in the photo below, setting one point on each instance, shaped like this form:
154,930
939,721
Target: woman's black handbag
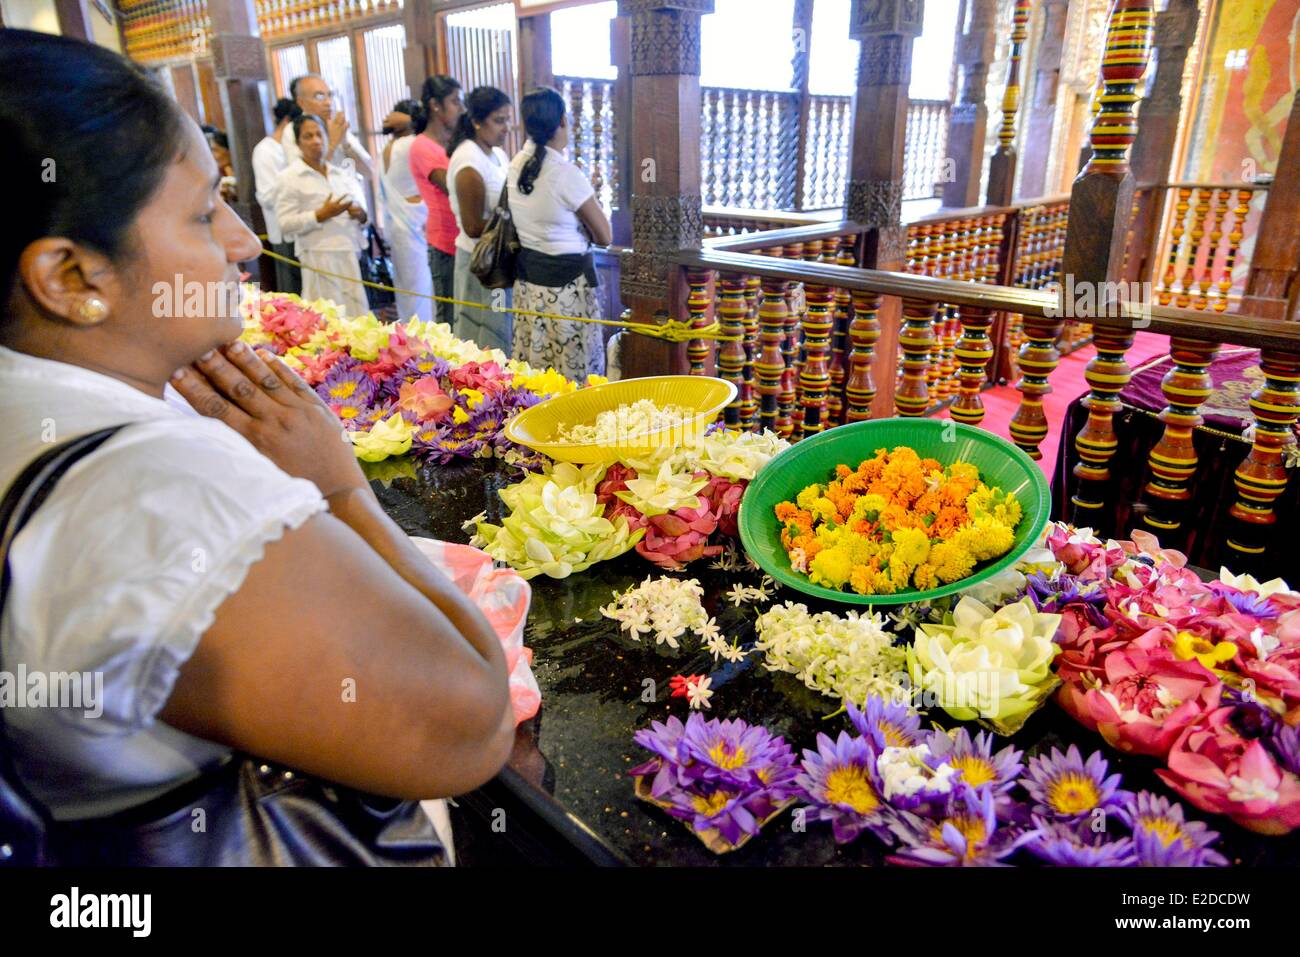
243,812
377,266
493,259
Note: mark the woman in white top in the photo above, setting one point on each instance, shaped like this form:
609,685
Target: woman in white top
557,215
225,571
406,214
322,207
476,175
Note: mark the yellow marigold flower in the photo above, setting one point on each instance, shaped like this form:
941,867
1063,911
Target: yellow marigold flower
911,546
809,495
925,577
831,568
824,509
951,561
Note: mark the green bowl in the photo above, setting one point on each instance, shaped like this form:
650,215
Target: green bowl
1001,465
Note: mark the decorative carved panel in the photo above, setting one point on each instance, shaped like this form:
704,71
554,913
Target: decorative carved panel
238,57
875,202
667,223
665,35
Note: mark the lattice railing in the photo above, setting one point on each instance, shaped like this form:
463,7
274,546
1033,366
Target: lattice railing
1200,262
591,132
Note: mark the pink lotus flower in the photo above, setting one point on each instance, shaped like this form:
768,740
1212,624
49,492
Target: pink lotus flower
676,538
425,398
615,480
291,323
401,347
724,497
316,368
1146,699
1219,771
1088,559
1144,543
486,377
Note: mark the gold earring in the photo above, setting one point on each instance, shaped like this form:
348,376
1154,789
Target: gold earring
92,309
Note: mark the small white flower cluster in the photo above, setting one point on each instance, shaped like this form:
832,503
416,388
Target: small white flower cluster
905,771
740,594
848,657
665,607
617,426
733,559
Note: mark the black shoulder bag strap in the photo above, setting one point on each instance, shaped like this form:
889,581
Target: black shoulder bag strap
23,819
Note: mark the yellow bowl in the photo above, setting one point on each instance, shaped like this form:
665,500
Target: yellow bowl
538,427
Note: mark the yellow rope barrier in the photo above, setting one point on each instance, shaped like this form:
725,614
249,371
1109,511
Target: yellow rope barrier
672,330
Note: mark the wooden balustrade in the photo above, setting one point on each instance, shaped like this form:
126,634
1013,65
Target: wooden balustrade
811,293
926,148
591,132
1198,262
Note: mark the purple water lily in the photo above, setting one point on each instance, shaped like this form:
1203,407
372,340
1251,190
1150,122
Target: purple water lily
1257,721
1051,595
966,834
1067,787
887,723
1248,603
975,759
1164,837
1067,844
737,754
346,385
841,785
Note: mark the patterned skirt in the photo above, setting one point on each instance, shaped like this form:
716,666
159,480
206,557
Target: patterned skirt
574,349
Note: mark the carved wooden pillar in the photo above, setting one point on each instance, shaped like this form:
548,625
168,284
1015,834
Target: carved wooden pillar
1272,289
74,19
420,55
968,122
1157,136
620,45
535,52
886,29
1041,114
1100,204
239,64
664,140
1002,167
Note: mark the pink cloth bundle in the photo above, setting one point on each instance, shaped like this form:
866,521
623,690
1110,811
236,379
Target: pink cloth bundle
503,597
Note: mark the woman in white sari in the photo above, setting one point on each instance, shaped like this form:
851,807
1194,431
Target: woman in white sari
322,207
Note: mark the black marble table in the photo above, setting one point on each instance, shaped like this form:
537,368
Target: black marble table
566,790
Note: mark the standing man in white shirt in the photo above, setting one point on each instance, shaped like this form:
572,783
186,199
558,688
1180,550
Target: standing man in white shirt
269,162
313,95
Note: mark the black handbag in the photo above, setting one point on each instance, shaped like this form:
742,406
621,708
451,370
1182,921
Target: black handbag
376,263
242,812
493,259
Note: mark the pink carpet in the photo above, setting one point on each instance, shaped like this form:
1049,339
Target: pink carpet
1068,384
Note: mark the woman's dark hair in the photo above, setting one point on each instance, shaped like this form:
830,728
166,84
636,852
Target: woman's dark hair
543,113
302,118
481,103
220,138
437,88
285,109
416,111
88,138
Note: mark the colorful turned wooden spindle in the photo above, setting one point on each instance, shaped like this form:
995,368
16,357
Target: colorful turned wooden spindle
1100,205
915,339
1261,478
770,364
814,374
1107,373
841,254
1173,459
1037,359
731,354
1002,165
749,393
1239,214
698,304
864,332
